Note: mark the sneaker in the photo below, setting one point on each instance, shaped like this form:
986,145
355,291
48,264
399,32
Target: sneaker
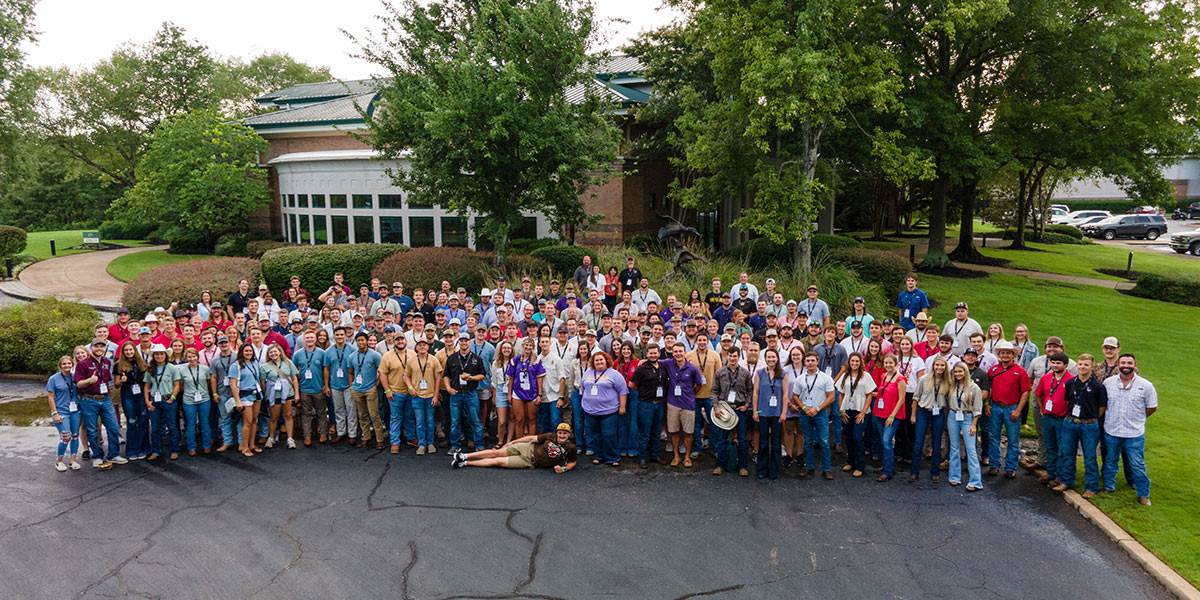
103,465
75,466
85,455
589,453
60,466
455,450
136,457
695,454
96,462
119,460
431,449
1144,501
291,444
271,443
420,450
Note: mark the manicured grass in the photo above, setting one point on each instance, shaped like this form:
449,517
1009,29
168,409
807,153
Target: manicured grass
129,266
23,413
1083,316
67,242
1083,261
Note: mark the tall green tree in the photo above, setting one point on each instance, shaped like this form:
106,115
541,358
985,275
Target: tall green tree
239,82
199,174
16,28
493,104
785,73
43,189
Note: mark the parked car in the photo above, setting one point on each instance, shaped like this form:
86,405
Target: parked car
1091,220
1186,241
1131,226
1192,211
1062,207
1075,217
1144,210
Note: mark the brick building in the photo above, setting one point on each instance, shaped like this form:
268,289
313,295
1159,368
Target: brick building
330,186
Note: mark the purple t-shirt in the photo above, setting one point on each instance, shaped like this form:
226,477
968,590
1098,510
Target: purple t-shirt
681,383
524,378
602,391
90,366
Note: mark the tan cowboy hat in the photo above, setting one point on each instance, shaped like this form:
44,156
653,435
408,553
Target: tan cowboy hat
729,421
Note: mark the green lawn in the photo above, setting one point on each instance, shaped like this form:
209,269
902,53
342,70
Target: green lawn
1171,527
67,242
129,266
1083,260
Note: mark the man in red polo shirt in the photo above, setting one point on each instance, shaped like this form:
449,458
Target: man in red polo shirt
1010,391
1051,394
119,331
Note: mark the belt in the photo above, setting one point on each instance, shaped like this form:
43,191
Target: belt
93,397
1082,421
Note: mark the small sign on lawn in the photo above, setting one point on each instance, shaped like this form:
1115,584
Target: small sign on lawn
91,237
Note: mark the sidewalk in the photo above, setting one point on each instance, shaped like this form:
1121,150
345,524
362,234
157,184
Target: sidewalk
80,277
1104,283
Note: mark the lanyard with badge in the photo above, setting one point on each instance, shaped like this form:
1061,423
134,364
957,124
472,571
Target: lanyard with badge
424,383
958,405
703,364
937,403
160,370
812,382
733,381
886,383
1054,385
773,399
358,378
72,394
308,354
341,357
596,377
463,363
197,395
99,370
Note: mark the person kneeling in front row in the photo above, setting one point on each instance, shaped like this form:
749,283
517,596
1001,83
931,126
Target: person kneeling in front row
548,450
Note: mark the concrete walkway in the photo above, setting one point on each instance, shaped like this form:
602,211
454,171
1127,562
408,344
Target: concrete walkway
1104,283
82,277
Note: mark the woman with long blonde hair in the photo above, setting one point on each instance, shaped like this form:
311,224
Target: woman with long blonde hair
932,394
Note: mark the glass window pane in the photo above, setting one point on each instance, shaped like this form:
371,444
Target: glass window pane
527,230
341,228
391,201
320,231
287,228
295,219
391,229
304,238
289,200
302,201
318,200
454,231
337,201
362,201
364,230
420,231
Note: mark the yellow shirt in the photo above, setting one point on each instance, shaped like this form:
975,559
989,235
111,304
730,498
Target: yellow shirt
429,371
393,366
708,370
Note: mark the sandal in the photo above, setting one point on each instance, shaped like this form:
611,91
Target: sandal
595,461
687,463
257,450
247,453
882,478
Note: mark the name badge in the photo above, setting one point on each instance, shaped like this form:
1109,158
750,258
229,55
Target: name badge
958,416
1049,405
341,373
595,390
658,392
279,385
1075,411
157,398
937,410
72,407
198,397
308,374
358,379
629,282
135,388
678,391
230,404
906,313
880,404
424,385
773,401
462,381
104,388
829,371
703,380
732,397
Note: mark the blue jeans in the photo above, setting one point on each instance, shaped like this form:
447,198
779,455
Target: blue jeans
835,414
191,414
770,447
581,437
548,416
70,427
628,437
887,438
854,432
135,424
816,434
1135,457
960,432
397,405
102,410
1002,418
230,430
465,403
410,420
703,405
927,421
721,439
1052,437
1070,437
164,416
603,430
650,416
423,412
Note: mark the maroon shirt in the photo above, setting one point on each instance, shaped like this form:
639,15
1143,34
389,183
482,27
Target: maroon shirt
90,366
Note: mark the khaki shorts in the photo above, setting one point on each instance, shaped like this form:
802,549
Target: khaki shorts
680,419
520,456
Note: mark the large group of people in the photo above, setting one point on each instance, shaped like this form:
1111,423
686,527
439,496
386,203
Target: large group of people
602,366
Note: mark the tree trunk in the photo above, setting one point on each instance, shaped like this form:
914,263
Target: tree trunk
502,244
935,256
1018,242
966,251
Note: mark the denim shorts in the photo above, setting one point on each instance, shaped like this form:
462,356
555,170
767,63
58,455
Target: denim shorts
248,397
502,400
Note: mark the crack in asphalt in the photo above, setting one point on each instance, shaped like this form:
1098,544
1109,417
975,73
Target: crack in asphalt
79,499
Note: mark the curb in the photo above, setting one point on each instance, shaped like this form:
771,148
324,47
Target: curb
20,291
1159,570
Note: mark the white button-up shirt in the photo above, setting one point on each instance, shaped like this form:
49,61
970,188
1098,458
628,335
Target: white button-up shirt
1126,414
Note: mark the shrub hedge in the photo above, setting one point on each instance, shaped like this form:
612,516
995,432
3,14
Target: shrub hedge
34,335
564,259
256,248
428,267
183,241
182,282
518,265
232,244
527,245
1177,289
118,230
316,264
12,240
762,253
882,268
1051,236
1067,230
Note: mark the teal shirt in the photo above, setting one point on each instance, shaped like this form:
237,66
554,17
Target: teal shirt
160,379
366,370
310,362
339,359
195,380
248,376
271,373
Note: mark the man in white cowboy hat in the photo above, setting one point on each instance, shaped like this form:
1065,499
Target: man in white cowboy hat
1010,392
731,403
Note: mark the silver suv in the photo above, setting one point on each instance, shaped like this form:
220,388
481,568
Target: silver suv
1186,241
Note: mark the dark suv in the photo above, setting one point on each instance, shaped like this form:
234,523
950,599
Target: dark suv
1130,226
